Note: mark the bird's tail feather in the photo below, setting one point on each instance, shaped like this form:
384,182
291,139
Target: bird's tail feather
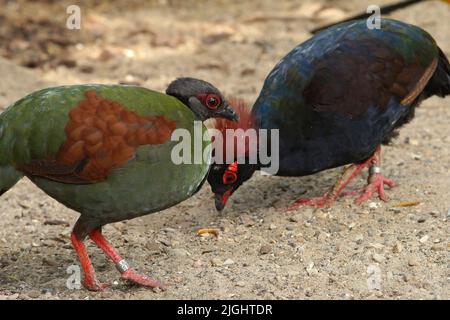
439,83
8,178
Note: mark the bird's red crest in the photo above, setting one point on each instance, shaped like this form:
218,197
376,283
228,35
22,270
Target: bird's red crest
245,122
245,117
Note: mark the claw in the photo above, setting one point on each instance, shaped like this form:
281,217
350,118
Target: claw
132,276
318,202
376,182
94,285
375,185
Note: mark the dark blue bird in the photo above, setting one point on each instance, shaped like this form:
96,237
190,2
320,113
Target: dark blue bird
335,99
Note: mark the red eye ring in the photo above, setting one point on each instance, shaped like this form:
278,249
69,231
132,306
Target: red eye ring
212,101
229,177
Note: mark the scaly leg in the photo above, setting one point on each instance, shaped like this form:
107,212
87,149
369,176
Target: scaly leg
90,281
376,183
127,272
329,197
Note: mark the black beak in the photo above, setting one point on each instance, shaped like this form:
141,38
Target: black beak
219,203
221,199
228,113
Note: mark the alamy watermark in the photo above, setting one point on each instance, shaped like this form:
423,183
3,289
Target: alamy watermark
374,277
249,146
374,21
73,282
73,21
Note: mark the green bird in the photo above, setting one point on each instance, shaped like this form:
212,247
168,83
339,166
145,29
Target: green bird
105,151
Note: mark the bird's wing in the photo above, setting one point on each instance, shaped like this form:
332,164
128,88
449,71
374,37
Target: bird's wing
101,135
359,73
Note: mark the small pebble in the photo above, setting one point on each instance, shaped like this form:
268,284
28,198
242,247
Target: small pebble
48,291
157,290
378,257
49,262
284,185
277,204
56,223
228,262
272,226
265,249
33,294
178,252
198,263
216,262
434,214
359,239
241,284
413,262
421,220
310,270
377,246
165,242
397,248
373,205
424,238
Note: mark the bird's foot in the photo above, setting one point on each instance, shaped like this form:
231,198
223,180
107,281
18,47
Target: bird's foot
375,185
319,202
132,276
94,285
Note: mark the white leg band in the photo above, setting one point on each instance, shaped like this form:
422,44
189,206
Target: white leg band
122,266
374,169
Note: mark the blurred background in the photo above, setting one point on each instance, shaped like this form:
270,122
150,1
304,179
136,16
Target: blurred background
261,252
231,43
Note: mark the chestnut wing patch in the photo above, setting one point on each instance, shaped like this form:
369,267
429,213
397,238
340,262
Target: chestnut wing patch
358,74
102,135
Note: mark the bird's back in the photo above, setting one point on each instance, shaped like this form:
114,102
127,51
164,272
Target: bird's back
337,96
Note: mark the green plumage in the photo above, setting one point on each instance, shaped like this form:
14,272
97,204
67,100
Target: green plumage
33,129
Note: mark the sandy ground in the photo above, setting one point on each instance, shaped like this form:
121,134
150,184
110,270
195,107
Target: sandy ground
371,251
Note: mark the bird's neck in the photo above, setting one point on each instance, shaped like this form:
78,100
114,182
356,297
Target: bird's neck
234,143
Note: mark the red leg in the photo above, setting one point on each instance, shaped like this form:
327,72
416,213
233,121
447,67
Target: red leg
127,273
89,281
329,197
376,183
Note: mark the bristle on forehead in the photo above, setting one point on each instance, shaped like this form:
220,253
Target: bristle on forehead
235,150
243,109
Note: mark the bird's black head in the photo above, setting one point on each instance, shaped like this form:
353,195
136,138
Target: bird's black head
225,179
202,98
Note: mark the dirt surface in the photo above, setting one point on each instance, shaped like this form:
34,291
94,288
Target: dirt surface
376,250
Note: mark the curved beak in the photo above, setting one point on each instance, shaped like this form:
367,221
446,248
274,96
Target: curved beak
218,201
228,112
221,199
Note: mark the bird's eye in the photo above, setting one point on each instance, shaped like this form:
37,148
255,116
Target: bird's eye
229,177
213,101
